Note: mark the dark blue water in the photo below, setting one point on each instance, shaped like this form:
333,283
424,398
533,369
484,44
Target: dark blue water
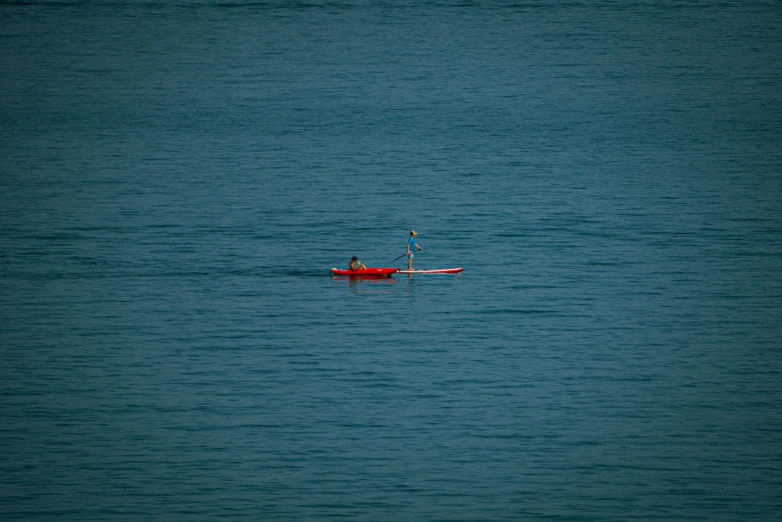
177,179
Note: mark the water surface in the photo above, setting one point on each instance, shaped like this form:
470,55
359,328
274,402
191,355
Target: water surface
176,180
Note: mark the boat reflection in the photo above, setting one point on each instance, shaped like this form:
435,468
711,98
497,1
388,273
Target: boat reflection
370,280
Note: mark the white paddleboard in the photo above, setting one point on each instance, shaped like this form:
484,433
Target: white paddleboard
437,271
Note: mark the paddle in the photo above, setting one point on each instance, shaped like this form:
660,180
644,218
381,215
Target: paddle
405,255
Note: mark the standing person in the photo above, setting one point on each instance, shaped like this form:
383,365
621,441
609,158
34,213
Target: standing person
355,264
412,248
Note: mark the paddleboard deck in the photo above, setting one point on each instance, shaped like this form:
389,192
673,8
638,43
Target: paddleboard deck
436,271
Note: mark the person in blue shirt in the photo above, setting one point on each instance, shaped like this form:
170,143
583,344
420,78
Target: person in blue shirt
412,248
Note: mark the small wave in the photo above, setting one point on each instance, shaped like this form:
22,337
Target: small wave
515,311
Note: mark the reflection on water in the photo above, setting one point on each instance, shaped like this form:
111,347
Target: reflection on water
356,283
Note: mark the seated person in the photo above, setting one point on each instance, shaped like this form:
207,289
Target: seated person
355,264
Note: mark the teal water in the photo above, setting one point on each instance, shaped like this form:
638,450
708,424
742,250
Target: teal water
177,179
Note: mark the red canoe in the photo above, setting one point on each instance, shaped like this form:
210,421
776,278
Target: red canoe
365,272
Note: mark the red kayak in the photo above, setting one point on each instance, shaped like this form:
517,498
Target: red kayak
365,272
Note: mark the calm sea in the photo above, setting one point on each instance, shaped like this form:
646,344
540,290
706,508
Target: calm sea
177,179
